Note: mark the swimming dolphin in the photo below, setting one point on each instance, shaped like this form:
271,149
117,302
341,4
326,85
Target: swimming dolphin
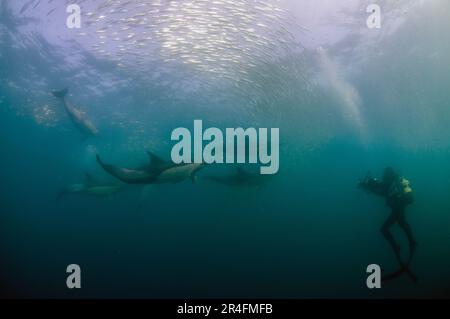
240,178
78,118
158,171
91,187
178,173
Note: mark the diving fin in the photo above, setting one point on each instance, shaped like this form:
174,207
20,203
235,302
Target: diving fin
403,270
60,94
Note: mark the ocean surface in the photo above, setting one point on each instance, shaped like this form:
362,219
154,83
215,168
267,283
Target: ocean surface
347,99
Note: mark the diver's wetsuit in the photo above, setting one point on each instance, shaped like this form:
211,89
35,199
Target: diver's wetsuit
397,201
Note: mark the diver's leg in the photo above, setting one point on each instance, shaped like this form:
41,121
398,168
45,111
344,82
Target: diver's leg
408,231
385,230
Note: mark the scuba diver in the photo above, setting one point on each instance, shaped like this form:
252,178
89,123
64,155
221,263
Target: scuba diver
398,195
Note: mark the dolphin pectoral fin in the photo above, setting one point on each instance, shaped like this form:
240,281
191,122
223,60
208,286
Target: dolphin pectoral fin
194,178
61,94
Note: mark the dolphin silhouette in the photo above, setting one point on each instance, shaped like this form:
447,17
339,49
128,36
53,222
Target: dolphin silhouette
158,171
91,186
78,118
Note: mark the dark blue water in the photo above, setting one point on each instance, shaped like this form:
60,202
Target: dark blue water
308,232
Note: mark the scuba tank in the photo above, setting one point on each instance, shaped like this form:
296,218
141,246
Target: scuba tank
406,186
401,190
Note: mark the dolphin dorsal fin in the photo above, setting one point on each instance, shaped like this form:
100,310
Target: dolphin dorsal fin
155,161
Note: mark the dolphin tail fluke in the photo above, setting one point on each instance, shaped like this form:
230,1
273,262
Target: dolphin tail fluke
60,94
110,169
106,167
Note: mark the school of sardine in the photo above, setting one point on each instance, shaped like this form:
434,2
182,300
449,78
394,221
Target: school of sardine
215,42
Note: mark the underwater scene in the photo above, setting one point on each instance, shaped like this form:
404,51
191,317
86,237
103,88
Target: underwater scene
224,149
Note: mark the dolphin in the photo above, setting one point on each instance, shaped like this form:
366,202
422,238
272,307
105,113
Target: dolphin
78,118
91,187
240,178
158,171
179,173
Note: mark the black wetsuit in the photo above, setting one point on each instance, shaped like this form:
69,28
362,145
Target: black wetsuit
397,200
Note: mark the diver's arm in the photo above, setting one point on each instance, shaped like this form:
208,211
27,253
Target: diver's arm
373,185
